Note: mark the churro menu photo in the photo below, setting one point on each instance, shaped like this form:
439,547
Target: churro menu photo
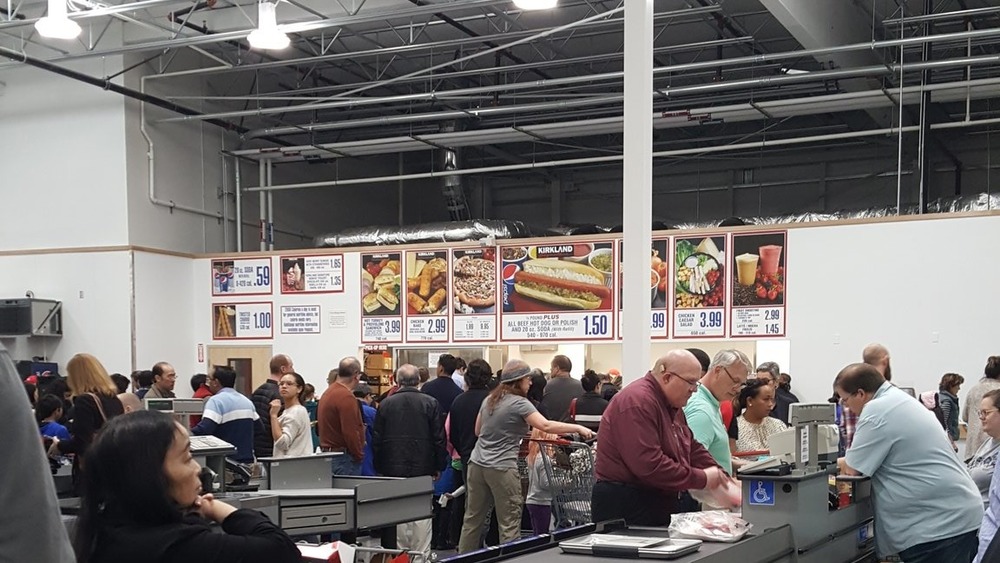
561,291
381,287
759,284
235,321
426,295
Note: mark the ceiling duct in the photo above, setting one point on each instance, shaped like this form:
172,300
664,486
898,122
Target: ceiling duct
451,185
455,231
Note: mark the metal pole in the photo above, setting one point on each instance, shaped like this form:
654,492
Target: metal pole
399,207
262,202
925,102
637,191
899,147
239,206
269,234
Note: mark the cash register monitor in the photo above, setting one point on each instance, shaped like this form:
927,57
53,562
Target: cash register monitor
782,445
175,406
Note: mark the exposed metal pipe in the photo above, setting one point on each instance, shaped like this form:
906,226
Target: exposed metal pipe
923,157
437,116
929,17
239,206
262,202
739,61
269,233
606,100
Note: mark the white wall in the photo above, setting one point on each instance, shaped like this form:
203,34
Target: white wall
165,315
63,160
924,289
95,289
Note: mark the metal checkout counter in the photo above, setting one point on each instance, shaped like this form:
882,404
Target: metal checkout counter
299,493
801,512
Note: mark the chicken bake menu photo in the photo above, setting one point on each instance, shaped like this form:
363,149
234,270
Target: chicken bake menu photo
560,291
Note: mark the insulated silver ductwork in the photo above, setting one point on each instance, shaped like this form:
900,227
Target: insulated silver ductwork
457,231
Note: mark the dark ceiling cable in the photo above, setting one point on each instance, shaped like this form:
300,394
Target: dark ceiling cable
107,84
6,12
461,27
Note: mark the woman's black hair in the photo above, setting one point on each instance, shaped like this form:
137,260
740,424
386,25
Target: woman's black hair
46,406
124,479
537,389
30,388
992,369
302,385
750,391
478,374
121,382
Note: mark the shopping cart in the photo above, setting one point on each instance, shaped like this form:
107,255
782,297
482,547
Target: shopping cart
569,470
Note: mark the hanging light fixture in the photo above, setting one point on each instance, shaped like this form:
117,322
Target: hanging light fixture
267,35
56,24
535,4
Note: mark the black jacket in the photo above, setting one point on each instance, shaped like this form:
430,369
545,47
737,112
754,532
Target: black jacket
408,439
263,442
443,389
249,538
590,404
462,427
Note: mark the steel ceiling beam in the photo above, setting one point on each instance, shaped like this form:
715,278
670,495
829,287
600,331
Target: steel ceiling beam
291,28
98,12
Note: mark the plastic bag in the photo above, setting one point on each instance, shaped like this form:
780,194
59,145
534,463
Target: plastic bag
713,525
729,495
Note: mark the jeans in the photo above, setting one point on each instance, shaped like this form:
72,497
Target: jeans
956,549
344,464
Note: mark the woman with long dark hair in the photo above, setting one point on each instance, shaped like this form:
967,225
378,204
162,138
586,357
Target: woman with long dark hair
142,501
290,431
503,421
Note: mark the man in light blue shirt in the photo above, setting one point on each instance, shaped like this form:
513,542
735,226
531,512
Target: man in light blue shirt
727,373
927,509
991,518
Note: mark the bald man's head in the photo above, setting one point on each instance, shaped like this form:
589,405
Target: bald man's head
877,355
130,402
349,367
677,361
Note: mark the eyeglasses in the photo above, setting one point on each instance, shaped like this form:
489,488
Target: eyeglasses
843,400
986,412
736,381
692,385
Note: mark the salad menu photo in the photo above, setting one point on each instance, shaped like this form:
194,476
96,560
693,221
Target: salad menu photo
699,272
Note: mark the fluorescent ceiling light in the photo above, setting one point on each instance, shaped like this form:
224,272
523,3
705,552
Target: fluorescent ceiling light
56,24
793,71
267,35
535,4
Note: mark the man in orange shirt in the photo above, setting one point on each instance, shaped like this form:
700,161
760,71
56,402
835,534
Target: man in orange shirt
340,426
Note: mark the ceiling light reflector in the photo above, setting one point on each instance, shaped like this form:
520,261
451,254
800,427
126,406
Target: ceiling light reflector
56,24
267,35
535,4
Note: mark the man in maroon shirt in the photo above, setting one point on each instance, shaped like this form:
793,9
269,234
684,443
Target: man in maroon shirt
647,454
341,428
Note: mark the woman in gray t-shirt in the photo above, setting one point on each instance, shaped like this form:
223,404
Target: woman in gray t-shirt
982,463
504,420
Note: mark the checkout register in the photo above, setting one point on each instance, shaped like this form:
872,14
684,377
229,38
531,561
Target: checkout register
800,510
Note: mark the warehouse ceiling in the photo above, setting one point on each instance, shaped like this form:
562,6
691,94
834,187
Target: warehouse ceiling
365,77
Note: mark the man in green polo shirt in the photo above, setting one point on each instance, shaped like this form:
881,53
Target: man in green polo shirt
726,375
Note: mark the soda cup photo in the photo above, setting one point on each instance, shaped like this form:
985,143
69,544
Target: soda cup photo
508,272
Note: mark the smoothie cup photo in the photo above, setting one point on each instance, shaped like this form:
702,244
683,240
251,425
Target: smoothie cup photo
746,268
770,255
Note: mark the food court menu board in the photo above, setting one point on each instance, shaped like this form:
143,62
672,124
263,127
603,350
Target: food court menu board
381,314
251,276
758,296
559,291
426,303
700,270
238,321
312,274
659,280
474,282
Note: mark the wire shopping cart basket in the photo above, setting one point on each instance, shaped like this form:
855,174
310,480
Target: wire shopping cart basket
569,470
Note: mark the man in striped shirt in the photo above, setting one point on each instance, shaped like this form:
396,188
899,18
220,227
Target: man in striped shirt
229,415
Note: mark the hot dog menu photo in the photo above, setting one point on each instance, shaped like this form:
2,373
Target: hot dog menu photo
700,270
426,302
474,294
561,291
381,313
759,284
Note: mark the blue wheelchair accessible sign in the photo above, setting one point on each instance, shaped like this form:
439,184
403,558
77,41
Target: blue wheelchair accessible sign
762,493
